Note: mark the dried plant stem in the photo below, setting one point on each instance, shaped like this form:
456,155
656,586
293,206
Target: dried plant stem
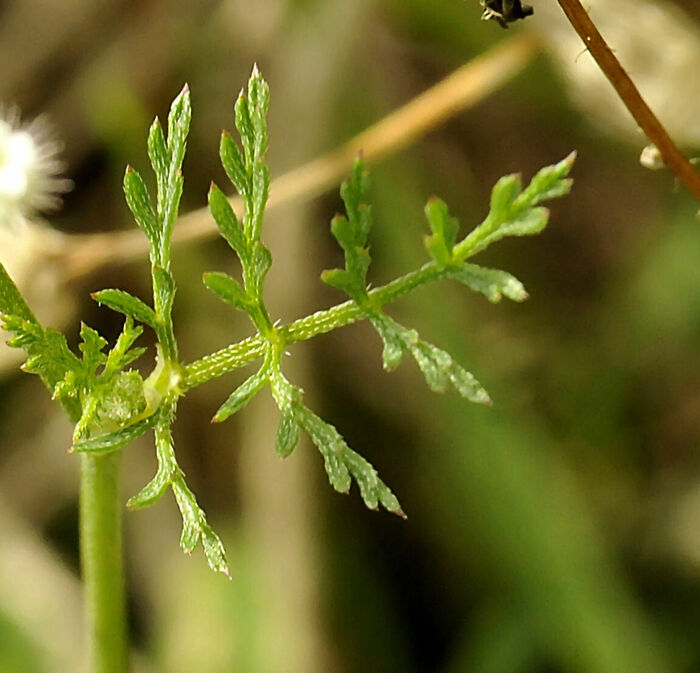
469,84
630,96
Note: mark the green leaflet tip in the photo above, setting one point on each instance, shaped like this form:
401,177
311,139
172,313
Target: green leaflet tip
185,89
400,513
129,169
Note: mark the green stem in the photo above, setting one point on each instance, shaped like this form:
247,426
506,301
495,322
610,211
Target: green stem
102,563
244,352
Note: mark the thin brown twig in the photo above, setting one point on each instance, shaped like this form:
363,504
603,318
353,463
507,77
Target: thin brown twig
469,84
630,96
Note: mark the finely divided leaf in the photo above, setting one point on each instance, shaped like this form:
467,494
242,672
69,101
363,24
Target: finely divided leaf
229,289
549,183
244,125
11,300
163,292
351,233
159,156
234,164
440,370
139,203
492,283
178,128
112,441
514,211
214,550
288,430
123,302
123,354
228,223
392,340
261,263
169,474
444,228
48,356
242,395
341,462
91,348
438,367
167,463
195,528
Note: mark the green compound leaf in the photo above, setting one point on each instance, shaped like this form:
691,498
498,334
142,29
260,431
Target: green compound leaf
288,430
351,232
123,354
166,158
393,343
48,356
249,173
261,263
242,395
234,164
112,441
168,468
444,228
227,221
179,119
127,304
341,462
91,348
288,398
548,183
109,399
250,114
514,211
159,156
437,365
169,199
163,298
195,527
11,300
140,205
229,289
492,283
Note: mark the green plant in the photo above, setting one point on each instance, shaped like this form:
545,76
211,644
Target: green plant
111,405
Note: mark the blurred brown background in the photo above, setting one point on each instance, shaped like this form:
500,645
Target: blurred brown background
558,531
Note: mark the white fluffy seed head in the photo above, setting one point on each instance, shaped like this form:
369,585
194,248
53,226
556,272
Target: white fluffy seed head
31,252
29,170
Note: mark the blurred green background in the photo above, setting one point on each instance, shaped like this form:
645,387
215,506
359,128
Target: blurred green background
558,531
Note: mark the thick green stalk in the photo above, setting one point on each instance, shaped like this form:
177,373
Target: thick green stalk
102,563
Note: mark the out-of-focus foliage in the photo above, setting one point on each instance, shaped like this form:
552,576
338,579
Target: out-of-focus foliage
556,531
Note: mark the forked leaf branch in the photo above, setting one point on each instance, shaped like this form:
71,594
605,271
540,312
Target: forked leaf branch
112,405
